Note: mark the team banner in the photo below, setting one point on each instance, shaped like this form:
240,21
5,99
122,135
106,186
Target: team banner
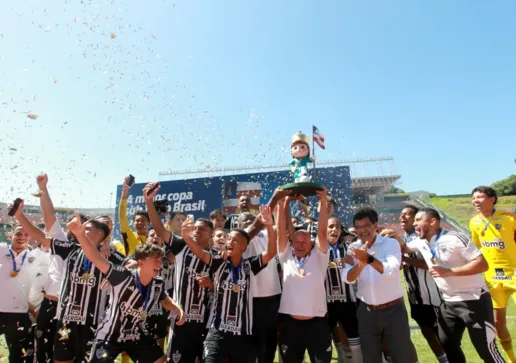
200,196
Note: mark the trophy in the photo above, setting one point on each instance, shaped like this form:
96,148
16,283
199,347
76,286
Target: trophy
303,181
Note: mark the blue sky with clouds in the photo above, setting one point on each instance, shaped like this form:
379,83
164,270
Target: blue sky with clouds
118,87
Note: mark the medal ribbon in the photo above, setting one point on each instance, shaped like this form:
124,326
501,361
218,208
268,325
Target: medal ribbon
435,244
487,223
235,271
301,261
335,250
86,264
13,258
140,289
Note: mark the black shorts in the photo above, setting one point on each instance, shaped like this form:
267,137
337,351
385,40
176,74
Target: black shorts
144,350
73,341
221,345
424,315
158,325
344,313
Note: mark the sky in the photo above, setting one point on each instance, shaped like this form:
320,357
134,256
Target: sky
91,91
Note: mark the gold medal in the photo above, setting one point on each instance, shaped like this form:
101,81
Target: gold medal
38,194
64,333
302,271
143,315
483,233
13,274
236,288
432,260
85,276
333,264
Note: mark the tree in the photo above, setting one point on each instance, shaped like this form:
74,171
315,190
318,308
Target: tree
394,190
506,186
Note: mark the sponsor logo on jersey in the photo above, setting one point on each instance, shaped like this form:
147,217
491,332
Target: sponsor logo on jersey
496,243
231,322
500,275
90,281
128,310
228,285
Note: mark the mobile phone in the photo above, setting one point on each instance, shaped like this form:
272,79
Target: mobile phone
13,210
131,180
153,188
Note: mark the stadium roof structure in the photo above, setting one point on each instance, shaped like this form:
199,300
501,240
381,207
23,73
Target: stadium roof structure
363,181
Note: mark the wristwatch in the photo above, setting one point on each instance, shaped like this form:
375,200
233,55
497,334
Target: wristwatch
370,259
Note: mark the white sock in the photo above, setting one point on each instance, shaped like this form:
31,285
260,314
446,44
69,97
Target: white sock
356,353
442,359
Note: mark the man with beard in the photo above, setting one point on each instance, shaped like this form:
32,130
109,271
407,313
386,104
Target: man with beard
457,265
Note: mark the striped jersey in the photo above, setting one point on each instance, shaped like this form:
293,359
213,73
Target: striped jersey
126,314
421,287
232,309
336,289
80,298
187,292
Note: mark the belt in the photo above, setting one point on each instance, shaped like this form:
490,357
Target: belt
386,305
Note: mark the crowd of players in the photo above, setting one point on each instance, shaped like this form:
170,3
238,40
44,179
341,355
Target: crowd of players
239,288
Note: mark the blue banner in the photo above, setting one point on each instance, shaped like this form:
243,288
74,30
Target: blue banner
202,195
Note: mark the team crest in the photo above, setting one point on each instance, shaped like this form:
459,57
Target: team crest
176,357
30,259
39,333
247,268
101,353
498,227
284,348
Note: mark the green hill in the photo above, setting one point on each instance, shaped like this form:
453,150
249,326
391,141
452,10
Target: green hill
461,210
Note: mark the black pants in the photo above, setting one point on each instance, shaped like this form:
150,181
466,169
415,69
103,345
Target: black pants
265,327
19,336
185,342
297,336
237,348
475,315
389,325
45,331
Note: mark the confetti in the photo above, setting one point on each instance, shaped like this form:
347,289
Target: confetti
32,116
113,35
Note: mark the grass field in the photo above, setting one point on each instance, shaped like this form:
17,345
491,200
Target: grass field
425,355
461,209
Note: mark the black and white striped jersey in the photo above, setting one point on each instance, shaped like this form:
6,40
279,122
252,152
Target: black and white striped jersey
336,289
193,298
130,305
232,309
421,287
80,299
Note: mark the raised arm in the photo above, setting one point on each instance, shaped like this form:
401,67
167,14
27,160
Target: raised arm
266,219
91,252
153,213
281,226
188,228
45,202
322,233
122,208
33,231
288,218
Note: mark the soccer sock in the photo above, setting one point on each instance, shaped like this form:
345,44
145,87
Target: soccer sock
356,352
442,359
507,347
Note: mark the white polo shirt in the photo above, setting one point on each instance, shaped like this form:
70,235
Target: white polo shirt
453,249
38,284
375,288
56,264
304,294
267,282
15,290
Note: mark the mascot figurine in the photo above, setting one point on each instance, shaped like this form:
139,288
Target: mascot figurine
301,158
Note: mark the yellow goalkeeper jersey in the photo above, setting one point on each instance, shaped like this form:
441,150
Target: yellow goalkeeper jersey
496,238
